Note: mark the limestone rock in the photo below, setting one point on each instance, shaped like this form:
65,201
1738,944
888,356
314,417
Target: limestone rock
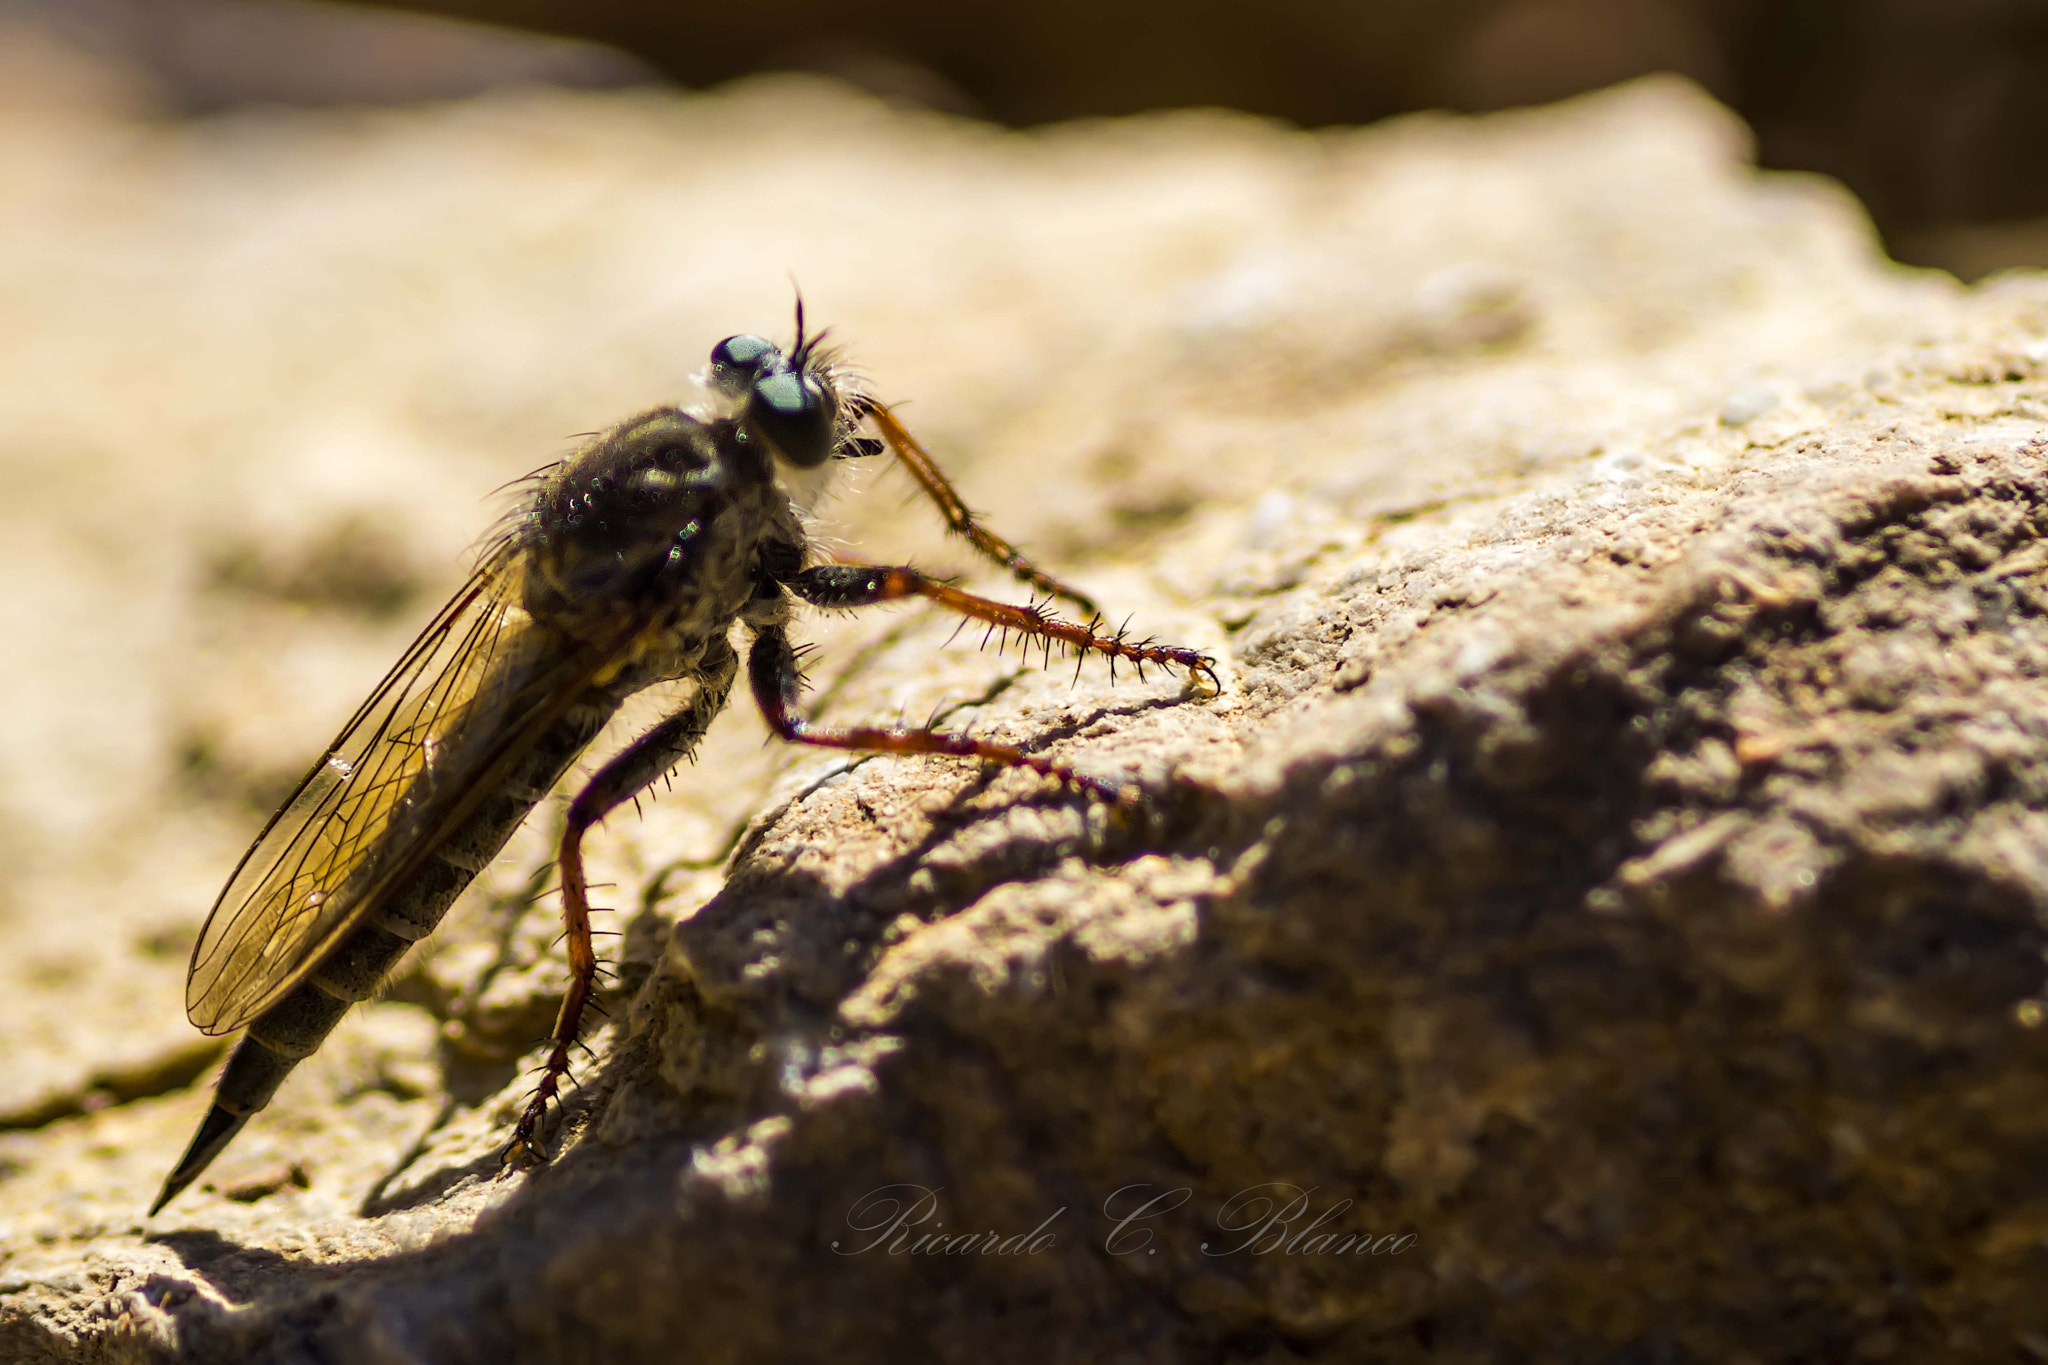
1600,918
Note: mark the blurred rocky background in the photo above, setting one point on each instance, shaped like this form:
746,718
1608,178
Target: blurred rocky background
1930,111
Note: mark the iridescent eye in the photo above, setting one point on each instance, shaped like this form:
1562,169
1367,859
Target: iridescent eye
790,412
737,360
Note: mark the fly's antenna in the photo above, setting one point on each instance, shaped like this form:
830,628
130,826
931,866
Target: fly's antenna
809,352
812,355
799,354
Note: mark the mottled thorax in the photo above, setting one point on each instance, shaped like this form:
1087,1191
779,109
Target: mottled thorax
659,512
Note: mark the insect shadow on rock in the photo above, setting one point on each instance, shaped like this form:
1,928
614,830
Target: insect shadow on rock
629,565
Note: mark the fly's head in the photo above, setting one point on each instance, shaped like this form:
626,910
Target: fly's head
795,410
788,408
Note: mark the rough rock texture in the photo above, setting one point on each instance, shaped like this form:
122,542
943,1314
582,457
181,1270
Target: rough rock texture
1608,891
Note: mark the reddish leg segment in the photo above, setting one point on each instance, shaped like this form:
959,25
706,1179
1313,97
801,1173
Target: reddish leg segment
861,585
632,771
771,669
959,518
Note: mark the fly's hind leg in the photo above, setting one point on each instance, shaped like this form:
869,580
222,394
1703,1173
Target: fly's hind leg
772,672
631,772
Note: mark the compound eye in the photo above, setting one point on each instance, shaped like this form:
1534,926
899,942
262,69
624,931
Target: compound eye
790,411
737,360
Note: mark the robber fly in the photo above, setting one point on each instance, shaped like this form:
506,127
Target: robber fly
629,565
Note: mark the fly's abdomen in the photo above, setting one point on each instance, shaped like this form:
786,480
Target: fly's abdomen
293,1029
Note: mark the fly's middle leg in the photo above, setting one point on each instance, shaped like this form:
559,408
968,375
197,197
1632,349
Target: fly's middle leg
625,776
861,585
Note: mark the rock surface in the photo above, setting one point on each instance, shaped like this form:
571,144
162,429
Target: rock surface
1608,890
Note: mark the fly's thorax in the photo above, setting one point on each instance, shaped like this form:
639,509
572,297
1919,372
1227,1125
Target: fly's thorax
654,511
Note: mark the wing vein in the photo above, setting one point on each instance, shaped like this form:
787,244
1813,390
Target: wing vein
474,692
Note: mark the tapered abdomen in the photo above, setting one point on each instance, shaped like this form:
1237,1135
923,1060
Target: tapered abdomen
293,1029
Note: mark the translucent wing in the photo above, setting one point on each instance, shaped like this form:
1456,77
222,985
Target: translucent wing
472,693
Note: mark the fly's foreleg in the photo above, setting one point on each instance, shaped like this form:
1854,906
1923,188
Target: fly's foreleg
631,772
959,519
861,585
772,672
